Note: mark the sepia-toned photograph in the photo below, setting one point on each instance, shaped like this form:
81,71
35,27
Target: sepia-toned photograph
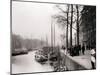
52,37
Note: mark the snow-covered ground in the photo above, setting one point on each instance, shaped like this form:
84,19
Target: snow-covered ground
84,60
27,64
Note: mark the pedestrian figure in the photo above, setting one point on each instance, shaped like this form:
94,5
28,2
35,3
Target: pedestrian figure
79,49
83,49
93,58
75,50
72,51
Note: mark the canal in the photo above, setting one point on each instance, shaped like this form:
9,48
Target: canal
27,64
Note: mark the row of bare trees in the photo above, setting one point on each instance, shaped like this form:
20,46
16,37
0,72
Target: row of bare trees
81,19
88,25
68,18
18,42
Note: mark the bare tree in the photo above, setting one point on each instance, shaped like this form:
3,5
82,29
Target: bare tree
67,27
71,25
88,25
63,20
77,24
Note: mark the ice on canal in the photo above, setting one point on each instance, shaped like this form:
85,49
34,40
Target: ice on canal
27,63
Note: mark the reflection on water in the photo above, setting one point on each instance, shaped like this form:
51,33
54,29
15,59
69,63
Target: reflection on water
26,63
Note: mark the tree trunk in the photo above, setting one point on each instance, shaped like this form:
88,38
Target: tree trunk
71,26
67,27
77,24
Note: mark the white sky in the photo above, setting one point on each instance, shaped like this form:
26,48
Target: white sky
33,20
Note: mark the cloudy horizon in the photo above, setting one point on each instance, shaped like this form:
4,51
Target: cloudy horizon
33,20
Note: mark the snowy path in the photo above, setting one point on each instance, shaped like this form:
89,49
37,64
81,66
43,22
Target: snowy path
84,60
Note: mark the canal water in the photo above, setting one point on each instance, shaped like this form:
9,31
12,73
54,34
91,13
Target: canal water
27,64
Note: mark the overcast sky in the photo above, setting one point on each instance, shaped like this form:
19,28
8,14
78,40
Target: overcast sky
33,20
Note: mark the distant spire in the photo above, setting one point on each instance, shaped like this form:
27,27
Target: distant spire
51,34
54,35
46,40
